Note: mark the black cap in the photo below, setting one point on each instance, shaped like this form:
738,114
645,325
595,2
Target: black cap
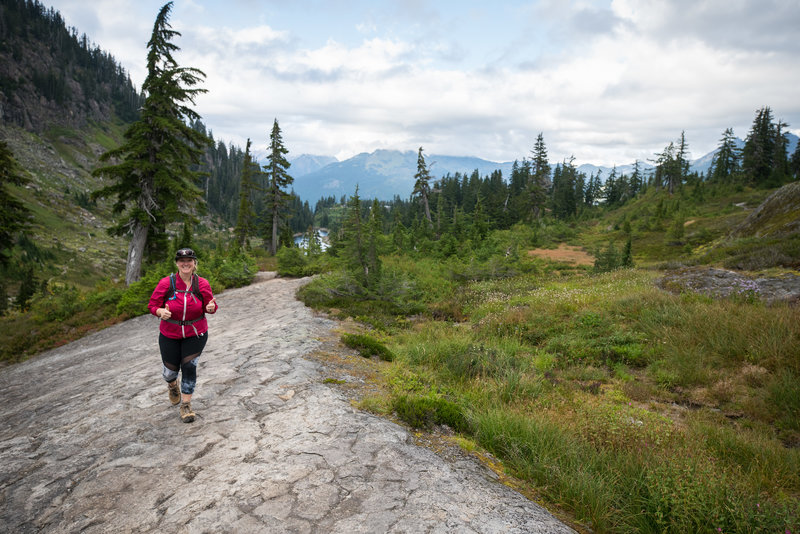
185,253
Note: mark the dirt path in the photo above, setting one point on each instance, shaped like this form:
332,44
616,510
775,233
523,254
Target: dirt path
89,442
565,253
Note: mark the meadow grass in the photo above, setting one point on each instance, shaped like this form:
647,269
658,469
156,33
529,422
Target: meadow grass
635,409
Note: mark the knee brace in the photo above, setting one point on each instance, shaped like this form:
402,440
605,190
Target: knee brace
188,376
168,374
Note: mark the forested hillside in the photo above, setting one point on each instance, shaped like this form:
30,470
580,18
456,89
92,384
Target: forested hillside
51,75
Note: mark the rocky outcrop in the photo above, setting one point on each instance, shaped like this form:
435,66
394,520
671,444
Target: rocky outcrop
778,215
722,283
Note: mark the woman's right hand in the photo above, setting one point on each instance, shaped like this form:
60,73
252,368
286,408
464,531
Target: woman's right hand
165,313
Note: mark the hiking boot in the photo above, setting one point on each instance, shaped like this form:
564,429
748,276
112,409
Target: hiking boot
187,415
174,392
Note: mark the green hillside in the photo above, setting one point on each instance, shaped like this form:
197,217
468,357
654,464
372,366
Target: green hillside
67,236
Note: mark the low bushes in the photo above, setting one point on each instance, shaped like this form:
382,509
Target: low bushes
367,346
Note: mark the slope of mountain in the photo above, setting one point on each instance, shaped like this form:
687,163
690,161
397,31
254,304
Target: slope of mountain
384,174
50,77
63,102
308,163
588,169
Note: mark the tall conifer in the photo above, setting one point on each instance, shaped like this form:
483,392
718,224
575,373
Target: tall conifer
354,241
244,219
422,187
758,155
278,179
154,184
726,162
539,178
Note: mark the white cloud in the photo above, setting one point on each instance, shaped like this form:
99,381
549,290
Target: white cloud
607,82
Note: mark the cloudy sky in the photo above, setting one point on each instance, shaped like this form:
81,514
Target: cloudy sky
605,81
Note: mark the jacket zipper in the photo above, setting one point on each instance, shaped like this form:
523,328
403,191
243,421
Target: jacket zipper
183,327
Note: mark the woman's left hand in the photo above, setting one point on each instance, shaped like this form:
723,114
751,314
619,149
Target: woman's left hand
211,306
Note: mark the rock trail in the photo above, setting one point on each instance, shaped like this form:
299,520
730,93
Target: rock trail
89,442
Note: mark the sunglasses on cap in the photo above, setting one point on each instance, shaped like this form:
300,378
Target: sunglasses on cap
185,253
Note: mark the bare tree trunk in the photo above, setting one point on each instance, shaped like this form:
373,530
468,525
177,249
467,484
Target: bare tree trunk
273,246
133,269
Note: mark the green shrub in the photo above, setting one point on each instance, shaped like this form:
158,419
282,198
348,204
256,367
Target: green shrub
292,262
235,271
135,298
367,346
102,298
58,303
426,411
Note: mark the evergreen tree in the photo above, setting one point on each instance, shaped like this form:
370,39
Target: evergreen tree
794,163
668,169
374,237
519,202
780,167
607,260
399,235
627,254
3,296
314,243
278,179
354,243
611,191
480,224
422,188
758,155
185,240
154,181
682,159
726,161
13,214
442,220
580,192
564,190
593,189
624,189
637,179
27,287
246,215
540,178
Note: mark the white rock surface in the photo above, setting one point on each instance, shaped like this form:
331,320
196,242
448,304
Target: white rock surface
90,443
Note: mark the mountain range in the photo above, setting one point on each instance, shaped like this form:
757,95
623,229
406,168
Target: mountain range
383,174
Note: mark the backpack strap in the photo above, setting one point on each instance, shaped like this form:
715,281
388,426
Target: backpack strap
196,290
172,292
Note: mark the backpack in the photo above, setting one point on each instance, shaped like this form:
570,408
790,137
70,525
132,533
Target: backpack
195,290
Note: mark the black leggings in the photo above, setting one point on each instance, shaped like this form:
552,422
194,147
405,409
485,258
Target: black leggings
181,354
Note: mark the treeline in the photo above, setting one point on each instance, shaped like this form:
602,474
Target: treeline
25,27
534,189
455,216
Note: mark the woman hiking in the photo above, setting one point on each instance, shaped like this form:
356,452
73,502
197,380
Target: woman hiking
181,301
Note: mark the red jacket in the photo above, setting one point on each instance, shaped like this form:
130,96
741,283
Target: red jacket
184,307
